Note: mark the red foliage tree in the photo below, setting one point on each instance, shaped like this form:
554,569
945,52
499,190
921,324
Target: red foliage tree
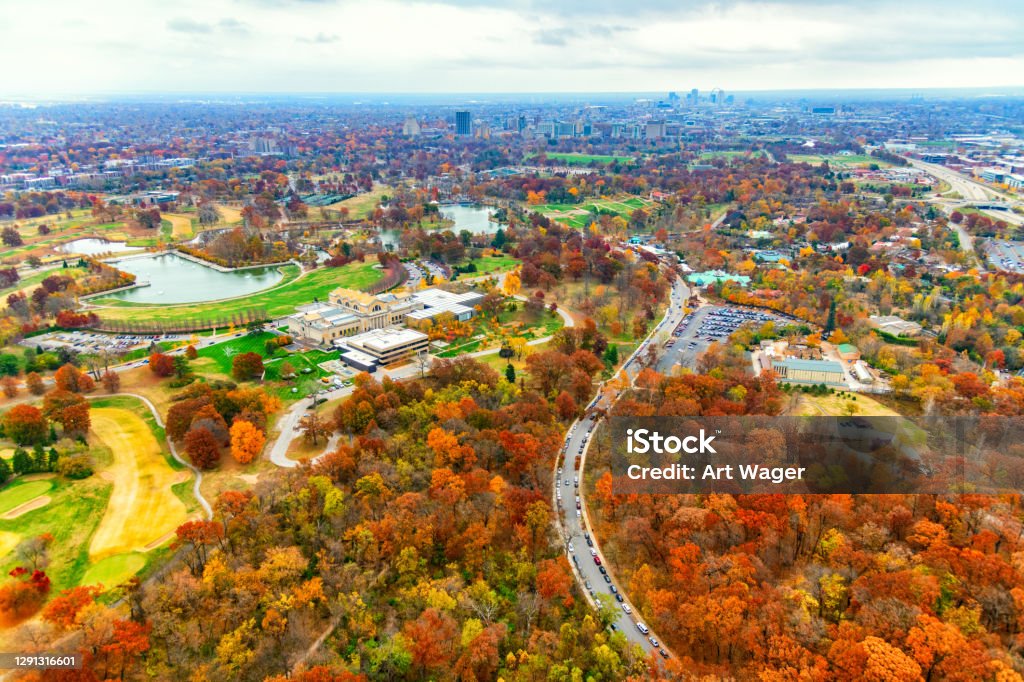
202,448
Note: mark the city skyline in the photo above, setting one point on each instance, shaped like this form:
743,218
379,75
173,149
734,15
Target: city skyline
470,46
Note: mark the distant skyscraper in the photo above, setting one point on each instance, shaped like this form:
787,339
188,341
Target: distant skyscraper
411,127
693,97
717,96
463,123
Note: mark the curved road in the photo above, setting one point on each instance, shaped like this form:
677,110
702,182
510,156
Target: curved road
574,523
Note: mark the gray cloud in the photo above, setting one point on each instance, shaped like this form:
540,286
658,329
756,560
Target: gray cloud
319,39
182,25
233,25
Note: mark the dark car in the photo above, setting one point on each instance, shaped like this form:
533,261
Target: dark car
607,578
618,597
604,571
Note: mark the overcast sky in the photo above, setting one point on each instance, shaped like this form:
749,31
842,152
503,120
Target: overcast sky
108,46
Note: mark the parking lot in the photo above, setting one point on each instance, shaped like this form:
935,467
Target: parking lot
94,342
699,329
1006,255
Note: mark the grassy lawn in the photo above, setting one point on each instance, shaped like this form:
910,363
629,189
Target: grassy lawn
181,225
362,205
114,570
487,265
579,216
223,353
731,154
573,158
851,161
32,281
143,508
20,492
277,301
835,405
71,517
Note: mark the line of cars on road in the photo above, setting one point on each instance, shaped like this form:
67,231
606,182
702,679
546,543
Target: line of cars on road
590,423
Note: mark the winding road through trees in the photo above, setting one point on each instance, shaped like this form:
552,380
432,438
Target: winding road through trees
574,524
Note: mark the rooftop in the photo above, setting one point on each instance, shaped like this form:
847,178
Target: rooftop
810,365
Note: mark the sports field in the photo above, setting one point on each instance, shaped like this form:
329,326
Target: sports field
277,301
142,507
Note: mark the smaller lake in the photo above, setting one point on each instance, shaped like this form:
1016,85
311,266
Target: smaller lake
94,247
472,218
174,279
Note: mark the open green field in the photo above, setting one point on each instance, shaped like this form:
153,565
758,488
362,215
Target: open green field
362,205
20,492
487,265
277,301
509,324
223,353
573,158
579,216
730,154
851,161
71,517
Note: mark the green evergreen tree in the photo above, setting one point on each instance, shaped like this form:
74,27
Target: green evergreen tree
21,462
510,373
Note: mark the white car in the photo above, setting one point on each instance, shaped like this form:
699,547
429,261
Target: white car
642,628
593,552
571,548
625,607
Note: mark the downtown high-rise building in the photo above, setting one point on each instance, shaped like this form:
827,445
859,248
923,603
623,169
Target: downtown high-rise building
463,123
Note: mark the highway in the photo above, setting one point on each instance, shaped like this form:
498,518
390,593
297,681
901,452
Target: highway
574,522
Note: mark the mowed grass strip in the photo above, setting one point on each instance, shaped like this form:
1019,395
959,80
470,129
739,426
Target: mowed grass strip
19,493
277,301
142,505
114,570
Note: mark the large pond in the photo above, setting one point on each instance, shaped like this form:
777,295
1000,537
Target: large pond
472,218
174,279
94,247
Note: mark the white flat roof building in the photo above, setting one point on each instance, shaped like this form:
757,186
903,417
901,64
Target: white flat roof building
385,345
438,301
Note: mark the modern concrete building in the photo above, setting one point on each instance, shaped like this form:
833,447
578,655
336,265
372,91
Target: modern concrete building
793,371
384,346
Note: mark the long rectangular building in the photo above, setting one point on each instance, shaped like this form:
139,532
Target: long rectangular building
794,371
385,346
